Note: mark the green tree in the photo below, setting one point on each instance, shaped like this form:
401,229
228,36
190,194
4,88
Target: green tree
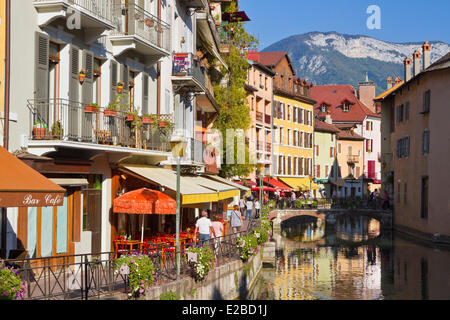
232,98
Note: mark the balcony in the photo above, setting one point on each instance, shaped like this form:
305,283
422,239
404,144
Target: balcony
188,72
352,159
59,122
268,119
95,15
269,147
224,38
139,30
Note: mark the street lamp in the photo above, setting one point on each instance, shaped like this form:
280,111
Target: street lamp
178,147
260,166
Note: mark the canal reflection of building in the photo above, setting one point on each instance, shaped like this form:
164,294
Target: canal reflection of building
357,228
303,229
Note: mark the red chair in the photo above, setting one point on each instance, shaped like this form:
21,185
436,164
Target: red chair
120,246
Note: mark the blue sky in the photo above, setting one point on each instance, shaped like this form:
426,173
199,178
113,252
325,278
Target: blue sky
401,20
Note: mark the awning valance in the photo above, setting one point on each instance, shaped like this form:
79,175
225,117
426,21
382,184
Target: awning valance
193,189
231,183
277,184
22,186
297,183
145,201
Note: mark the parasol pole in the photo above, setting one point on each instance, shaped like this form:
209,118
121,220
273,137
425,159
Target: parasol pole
142,228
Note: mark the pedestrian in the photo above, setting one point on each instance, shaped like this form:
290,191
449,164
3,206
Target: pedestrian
249,214
217,226
374,198
293,200
257,208
242,205
204,228
277,198
236,220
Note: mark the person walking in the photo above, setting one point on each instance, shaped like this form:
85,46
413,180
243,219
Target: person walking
277,199
242,205
293,200
217,226
249,214
236,220
257,209
386,203
204,228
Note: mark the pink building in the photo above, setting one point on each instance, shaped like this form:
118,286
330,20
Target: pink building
259,89
416,136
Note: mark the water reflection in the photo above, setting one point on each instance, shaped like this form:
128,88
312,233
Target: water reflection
351,259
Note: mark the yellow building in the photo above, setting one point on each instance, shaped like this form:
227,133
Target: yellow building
2,61
293,124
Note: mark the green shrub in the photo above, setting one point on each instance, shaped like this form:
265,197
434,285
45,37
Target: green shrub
247,246
142,272
170,295
11,286
205,261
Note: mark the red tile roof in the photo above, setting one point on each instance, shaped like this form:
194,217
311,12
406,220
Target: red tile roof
335,95
325,127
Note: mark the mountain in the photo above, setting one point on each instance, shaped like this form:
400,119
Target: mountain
333,58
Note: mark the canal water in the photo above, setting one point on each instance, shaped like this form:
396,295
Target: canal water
350,259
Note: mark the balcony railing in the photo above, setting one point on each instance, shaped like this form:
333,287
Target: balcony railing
135,21
64,120
186,65
268,147
99,9
352,159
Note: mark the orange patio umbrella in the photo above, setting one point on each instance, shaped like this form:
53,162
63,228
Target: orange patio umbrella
145,201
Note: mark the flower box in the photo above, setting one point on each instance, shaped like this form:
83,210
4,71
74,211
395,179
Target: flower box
90,109
149,23
130,118
147,120
162,124
110,113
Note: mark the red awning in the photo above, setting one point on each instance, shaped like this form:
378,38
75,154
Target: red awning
265,188
247,182
277,184
239,16
145,201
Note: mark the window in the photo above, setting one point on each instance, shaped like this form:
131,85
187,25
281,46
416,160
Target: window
426,142
295,166
339,148
280,164
288,136
324,108
289,113
318,171
407,111
346,107
399,187
289,166
424,198
281,135
317,150
331,152
294,114
403,147
405,193
326,172
426,101
400,113
369,145
357,172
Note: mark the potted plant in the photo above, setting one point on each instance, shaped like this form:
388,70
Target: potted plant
120,87
11,285
91,108
39,130
131,116
57,131
201,259
149,22
149,118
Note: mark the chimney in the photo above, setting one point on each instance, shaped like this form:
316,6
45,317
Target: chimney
407,64
389,83
253,55
397,80
416,57
426,55
328,118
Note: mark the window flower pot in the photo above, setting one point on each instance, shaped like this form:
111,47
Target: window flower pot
39,133
81,77
163,124
120,87
149,23
110,113
130,118
147,120
90,109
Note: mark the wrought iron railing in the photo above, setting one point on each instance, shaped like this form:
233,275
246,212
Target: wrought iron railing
87,276
100,9
60,119
259,116
139,22
352,158
186,64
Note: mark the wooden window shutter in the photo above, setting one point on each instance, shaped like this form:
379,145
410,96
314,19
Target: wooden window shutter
371,145
88,85
317,150
145,92
41,94
318,171
114,80
74,116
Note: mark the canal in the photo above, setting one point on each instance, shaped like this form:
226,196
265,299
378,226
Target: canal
350,259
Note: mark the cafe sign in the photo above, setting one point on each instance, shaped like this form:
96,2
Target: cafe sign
31,199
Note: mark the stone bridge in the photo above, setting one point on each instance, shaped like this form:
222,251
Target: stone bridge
329,215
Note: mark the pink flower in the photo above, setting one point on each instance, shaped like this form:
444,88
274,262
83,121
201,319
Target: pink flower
141,291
